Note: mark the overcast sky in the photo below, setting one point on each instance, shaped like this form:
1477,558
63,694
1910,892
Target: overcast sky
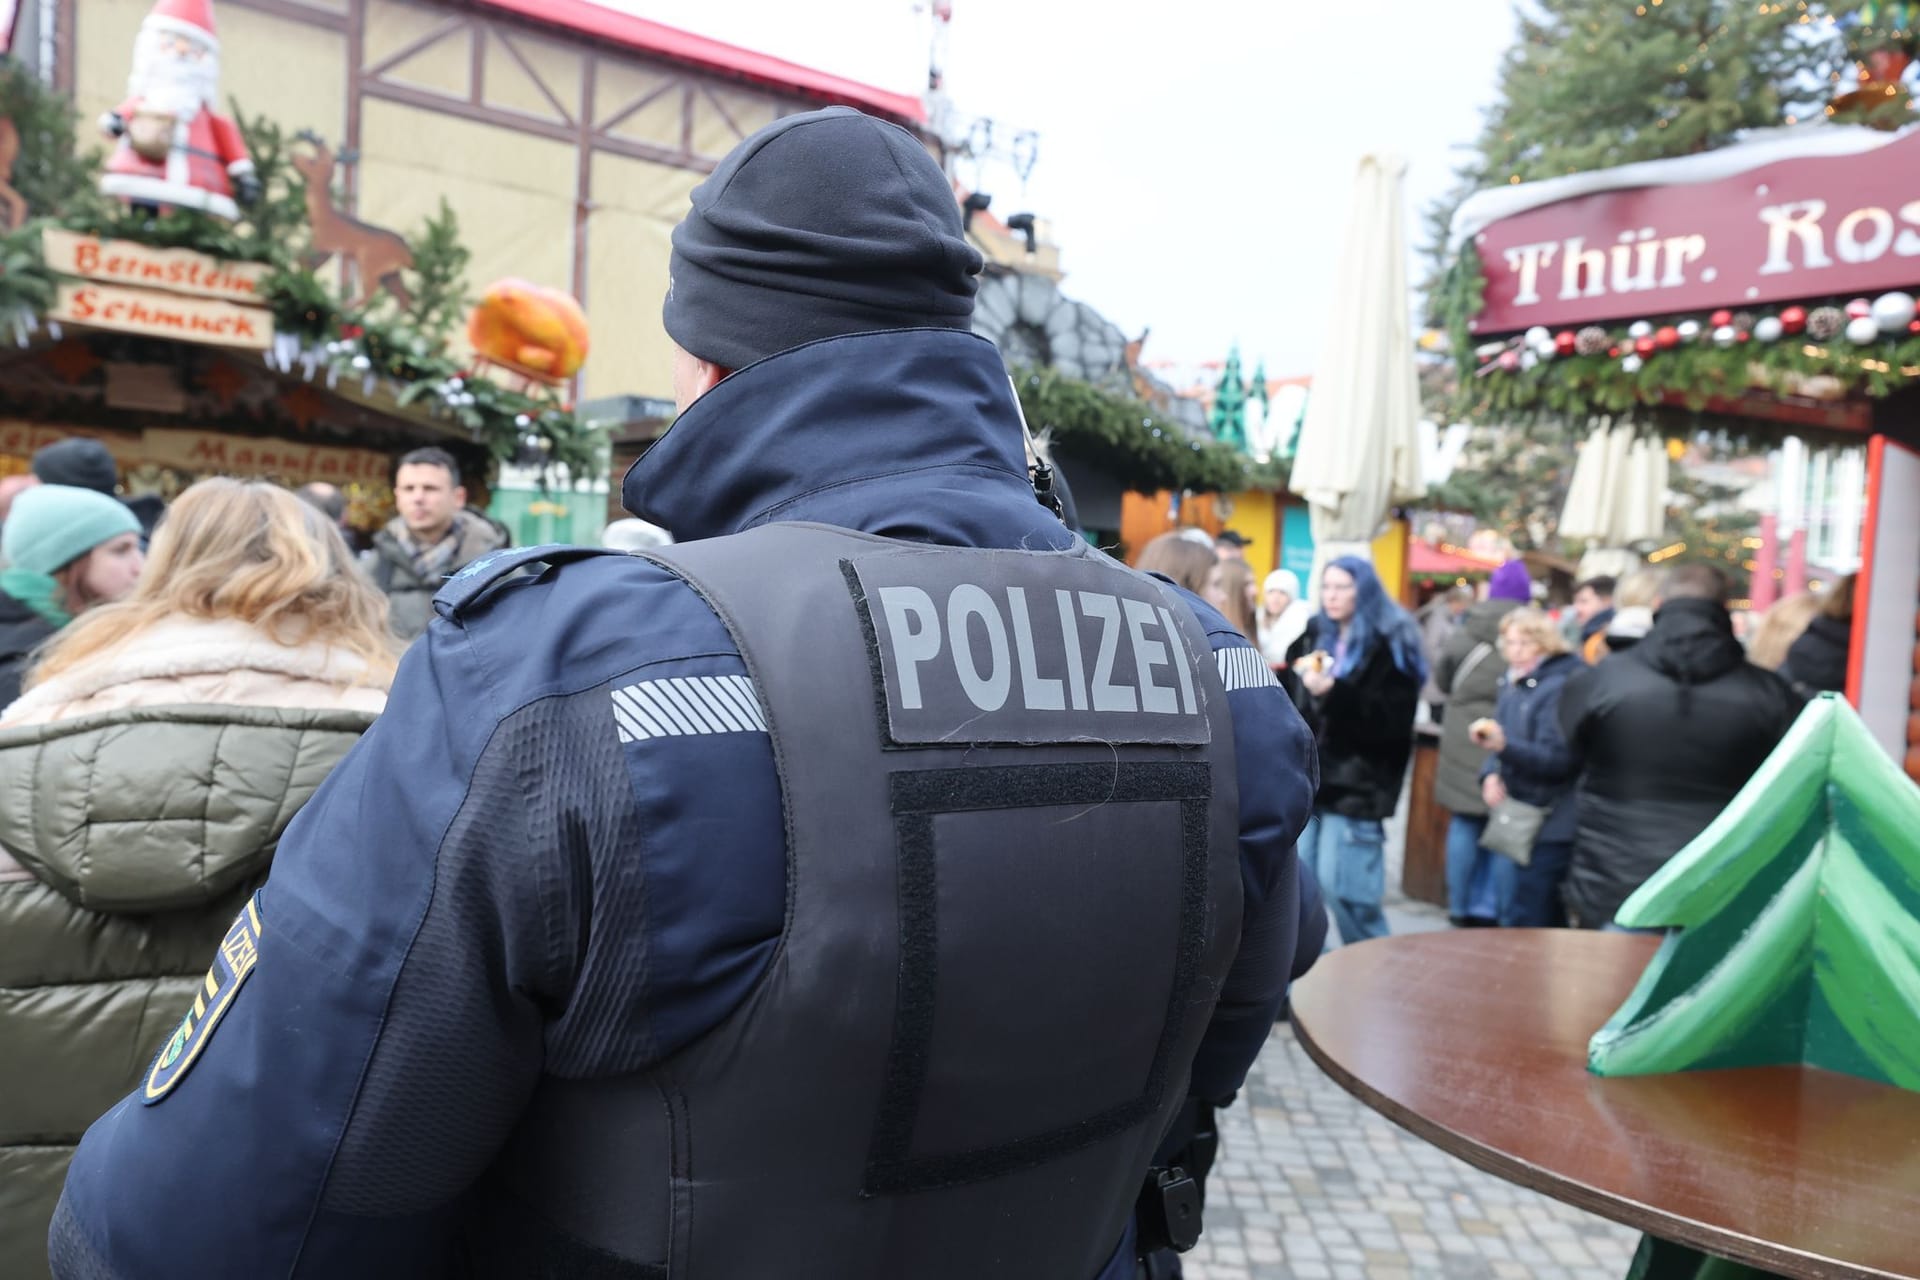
1195,159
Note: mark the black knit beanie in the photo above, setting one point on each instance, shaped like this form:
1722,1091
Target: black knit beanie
820,224
79,461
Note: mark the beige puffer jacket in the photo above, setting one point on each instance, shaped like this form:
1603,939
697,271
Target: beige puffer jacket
133,825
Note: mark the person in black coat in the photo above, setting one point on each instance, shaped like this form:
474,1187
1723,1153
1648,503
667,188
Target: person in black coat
1817,661
1669,732
1358,670
1529,761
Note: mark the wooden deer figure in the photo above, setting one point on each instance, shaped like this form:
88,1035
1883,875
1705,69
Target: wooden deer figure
378,255
13,203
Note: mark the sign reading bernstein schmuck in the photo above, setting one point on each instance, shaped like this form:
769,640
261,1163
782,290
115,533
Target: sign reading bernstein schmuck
163,315
176,270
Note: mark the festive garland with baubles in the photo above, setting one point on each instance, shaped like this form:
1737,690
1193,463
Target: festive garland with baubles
1827,350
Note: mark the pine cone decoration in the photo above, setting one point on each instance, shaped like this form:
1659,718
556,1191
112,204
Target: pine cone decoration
1825,323
1743,321
1591,341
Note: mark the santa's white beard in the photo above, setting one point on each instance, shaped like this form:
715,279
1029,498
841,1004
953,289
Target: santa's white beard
171,86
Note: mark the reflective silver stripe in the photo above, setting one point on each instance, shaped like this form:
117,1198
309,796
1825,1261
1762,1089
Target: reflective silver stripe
682,705
1243,668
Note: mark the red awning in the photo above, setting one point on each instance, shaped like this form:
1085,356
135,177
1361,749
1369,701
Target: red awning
633,32
1424,560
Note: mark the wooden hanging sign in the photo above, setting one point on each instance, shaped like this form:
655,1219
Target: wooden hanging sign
163,315
122,262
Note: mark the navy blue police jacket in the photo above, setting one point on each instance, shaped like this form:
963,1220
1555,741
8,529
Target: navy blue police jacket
435,936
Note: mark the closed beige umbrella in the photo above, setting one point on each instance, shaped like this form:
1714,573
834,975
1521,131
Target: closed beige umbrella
1359,451
1618,495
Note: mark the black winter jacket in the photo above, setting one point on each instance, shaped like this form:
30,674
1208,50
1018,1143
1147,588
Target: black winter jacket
1669,732
21,630
1818,659
1536,766
1364,729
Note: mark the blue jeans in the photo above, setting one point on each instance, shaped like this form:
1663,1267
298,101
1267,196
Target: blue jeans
1348,855
1535,902
1479,881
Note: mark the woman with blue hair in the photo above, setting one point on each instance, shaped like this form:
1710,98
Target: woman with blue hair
1359,669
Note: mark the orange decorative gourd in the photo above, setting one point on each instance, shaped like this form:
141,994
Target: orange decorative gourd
536,332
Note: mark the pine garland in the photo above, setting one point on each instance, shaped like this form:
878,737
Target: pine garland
1125,437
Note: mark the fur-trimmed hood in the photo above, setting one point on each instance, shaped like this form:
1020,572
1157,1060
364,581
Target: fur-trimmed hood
187,661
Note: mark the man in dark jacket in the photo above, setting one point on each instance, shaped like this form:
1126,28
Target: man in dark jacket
857,888
434,537
1670,731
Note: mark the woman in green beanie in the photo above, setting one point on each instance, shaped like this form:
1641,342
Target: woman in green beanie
62,551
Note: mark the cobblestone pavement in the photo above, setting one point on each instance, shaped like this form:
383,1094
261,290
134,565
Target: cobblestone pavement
1313,1185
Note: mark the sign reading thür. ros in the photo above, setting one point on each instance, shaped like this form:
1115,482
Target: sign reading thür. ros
1796,228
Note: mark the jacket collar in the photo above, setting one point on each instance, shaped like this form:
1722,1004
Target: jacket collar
910,434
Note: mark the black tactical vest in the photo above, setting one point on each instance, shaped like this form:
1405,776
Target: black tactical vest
1013,893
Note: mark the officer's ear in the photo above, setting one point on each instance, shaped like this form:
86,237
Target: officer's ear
693,377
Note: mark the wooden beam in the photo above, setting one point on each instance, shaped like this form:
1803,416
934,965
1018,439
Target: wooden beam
721,107
450,27
356,97
294,11
540,83
646,99
477,67
583,184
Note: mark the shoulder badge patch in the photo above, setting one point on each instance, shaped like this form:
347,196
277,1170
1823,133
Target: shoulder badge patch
239,953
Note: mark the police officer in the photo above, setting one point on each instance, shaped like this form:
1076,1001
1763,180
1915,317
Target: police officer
858,888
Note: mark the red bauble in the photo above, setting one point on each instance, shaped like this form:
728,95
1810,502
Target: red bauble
1643,346
1666,337
1743,336
1564,342
1859,307
1793,319
1720,319
1613,353
1913,326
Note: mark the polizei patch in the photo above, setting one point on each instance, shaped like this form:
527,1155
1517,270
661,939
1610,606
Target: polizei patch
239,952
1026,647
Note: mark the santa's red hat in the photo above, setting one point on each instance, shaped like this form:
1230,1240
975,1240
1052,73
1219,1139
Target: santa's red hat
186,17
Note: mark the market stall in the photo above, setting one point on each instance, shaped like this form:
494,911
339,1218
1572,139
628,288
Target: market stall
1764,291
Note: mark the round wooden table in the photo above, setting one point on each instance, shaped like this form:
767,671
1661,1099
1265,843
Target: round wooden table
1477,1041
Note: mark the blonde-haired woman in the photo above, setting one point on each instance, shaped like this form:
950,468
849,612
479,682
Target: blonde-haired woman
1780,626
1529,761
160,749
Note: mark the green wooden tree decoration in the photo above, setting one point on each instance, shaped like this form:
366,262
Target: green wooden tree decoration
1228,418
1796,918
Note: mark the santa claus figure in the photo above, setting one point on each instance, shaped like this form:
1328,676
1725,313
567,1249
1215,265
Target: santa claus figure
174,148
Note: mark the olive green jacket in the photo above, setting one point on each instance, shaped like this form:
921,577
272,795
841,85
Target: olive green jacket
129,840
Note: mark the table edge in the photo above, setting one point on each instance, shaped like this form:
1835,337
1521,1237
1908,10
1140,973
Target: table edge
1631,1213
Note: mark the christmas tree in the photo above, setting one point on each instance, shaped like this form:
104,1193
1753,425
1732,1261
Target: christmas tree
1228,418
1798,922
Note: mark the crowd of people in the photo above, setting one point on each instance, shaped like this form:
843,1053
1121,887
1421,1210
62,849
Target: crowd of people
1577,753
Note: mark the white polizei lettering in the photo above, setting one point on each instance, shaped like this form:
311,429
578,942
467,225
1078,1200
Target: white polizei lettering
1799,220
1069,629
1879,238
1107,696
1040,693
682,706
1907,243
1243,668
987,692
1148,654
911,645
1181,666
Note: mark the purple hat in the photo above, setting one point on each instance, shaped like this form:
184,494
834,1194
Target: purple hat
1510,582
